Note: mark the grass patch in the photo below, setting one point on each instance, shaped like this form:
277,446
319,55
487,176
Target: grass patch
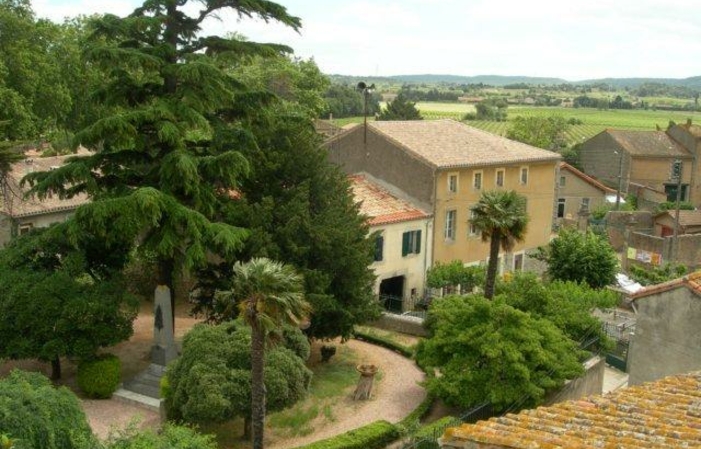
331,382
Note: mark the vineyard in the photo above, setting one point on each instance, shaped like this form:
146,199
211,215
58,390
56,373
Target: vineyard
593,120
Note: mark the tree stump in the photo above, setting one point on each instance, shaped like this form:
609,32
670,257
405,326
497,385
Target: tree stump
367,376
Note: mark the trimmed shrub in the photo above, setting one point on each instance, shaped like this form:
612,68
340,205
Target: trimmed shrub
376,435
385,343
413,419
34,414
99,377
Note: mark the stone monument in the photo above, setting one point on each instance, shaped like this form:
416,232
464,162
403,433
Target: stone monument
164,349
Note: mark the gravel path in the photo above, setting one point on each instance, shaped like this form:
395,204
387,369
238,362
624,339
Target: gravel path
394,396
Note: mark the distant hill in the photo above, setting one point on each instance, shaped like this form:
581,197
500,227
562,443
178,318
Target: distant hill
693,82
492,80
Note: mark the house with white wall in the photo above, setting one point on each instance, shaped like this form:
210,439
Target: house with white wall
403,233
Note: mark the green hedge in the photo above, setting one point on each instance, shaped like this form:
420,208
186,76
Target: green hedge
384,342
99,377
376,435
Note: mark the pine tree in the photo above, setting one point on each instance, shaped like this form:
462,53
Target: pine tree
163,159
400,109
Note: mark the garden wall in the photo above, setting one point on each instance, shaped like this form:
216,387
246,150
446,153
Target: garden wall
401,323
592,382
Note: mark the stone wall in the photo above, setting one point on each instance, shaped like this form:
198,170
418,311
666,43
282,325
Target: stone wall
404,324
592,382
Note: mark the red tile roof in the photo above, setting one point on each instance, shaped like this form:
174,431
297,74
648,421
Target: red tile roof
661,414
686,217
16,205
586,178
381,206
691,281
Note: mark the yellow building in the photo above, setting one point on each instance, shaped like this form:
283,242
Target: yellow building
444,166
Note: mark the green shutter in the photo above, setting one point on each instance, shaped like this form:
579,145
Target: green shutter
418,241
406,237
379,246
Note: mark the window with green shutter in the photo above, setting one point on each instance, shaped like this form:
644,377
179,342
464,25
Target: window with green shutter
379,247
411,243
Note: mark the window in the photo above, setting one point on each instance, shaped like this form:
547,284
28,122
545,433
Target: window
560,207
499,178
473,228
524,175
25,228
411,242
477,180
563,180
518,262
585,203
452,183
379,247
450,225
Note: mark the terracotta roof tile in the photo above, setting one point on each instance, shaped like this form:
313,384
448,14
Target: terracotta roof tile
661,414
381,206
447,143
648,143
691,281
586,178
17,206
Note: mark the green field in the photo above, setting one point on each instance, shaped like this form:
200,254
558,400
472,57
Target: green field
593,120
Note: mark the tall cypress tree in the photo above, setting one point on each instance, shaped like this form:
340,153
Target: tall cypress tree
162,161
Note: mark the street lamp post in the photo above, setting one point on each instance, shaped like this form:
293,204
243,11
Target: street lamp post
366,91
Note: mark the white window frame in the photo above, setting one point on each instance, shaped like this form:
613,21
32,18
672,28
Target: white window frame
563,181
450,224
25,228
478,174
503,177
521,177
453,188
472,229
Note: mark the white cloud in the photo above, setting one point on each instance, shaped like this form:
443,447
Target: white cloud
574,39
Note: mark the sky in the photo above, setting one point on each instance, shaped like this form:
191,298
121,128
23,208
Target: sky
570,39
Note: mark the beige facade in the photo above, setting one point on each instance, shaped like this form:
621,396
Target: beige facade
458,240
444,166
643,158
574,189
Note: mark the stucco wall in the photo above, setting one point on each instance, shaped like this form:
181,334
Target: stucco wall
599,160
574,191
469,248
667,339
37,221
412,266
404,324
383,160
656,172
693,144
592,382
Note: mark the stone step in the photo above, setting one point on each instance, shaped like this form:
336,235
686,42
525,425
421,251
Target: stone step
144,389
131,397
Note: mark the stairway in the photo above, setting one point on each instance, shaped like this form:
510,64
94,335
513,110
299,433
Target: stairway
144,388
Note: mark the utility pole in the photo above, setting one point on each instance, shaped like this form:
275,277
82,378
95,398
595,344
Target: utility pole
676,173
620,179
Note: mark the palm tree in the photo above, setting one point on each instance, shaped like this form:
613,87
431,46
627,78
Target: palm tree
500,216
269,295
